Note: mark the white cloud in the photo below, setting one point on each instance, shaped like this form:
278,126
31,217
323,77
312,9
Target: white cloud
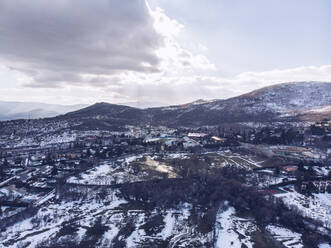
175,58
87,43
131,87
55,42
116,52
180,89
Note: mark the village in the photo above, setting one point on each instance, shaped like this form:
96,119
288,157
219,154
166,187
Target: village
31,167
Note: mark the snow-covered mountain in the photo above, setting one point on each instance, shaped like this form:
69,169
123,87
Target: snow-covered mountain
283,98
33,110
277,102
282,102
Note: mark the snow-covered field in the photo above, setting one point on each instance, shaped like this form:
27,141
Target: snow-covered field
108,173
46,139
232,231
316,207
324,245
160,167
322,171
287,237
177,155
49,220
56,139
65,222
121,171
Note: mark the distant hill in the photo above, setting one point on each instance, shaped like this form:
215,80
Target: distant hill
33,110
282,102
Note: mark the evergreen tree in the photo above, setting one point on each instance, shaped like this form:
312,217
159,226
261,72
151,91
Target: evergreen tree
54,171
301,166
49,159
277,170
283,137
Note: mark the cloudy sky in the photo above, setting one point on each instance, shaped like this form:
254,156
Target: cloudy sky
164,51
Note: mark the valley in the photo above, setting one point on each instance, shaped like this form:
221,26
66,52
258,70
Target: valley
115,176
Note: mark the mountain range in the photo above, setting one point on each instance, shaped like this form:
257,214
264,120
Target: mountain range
297,101
33,110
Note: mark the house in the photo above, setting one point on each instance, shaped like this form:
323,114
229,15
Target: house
107,141
310,154
188,143
197,135
290,168
89,141
73,155
217,139
328,152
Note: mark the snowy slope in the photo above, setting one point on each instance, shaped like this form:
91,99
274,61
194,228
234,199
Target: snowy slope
279,102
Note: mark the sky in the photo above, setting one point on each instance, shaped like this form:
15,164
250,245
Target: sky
158,51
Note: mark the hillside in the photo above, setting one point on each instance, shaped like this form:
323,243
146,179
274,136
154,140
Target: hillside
201,205
282,102
105,116
302,101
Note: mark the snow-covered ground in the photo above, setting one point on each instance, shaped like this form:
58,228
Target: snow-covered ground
324,245
121,171
46,139
232,231
108,173
322,171
56,139
160,167
45,225
63,222
177,155
287,237
316,207
228,158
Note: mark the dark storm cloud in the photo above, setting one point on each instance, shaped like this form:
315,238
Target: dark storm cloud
57,41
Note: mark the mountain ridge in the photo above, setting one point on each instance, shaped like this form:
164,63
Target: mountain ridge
11,110
281,102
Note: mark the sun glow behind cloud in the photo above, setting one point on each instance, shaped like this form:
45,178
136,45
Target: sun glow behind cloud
174,57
